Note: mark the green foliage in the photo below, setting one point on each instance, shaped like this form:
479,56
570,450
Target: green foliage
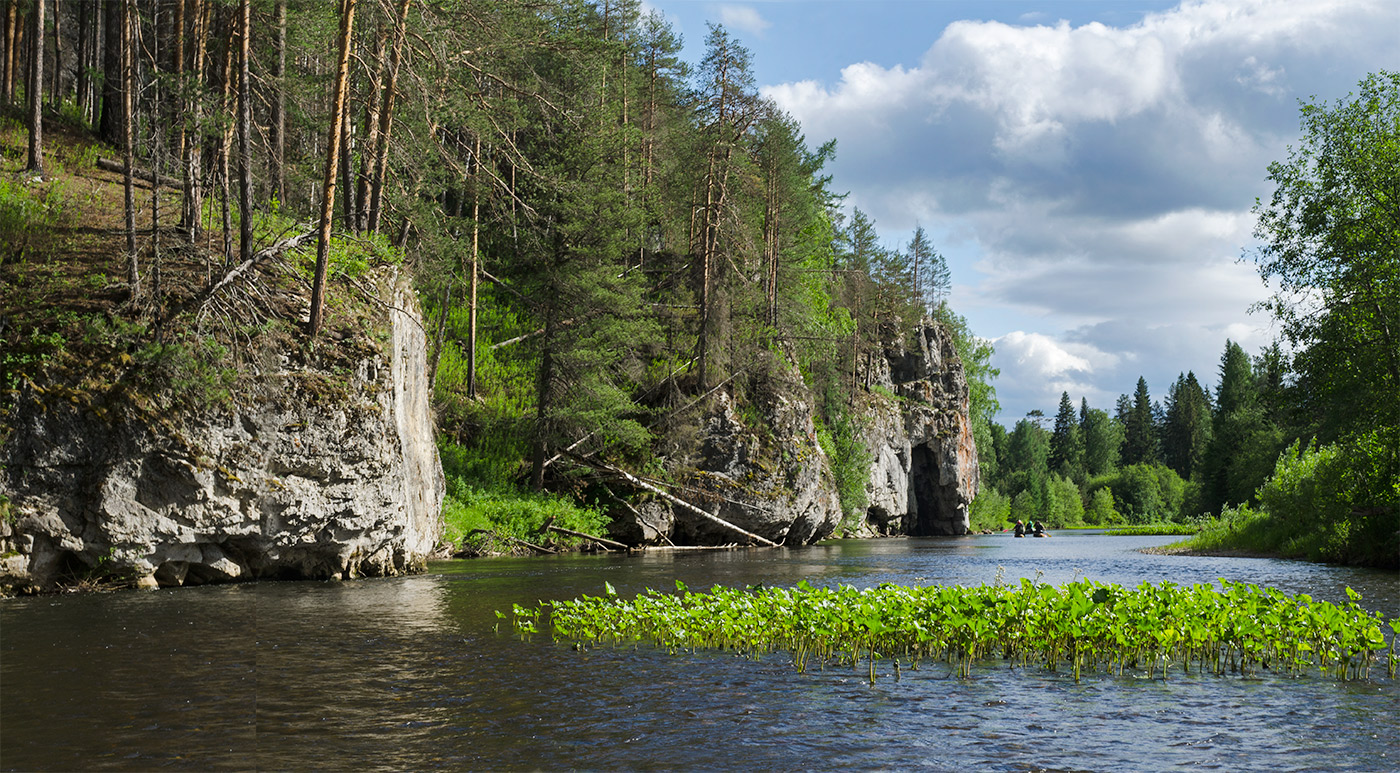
850,464
1154,529
1143,493
990,510
1082,626
1067,442
1332,250
1102,436
29,211
1139,428
27,357
1338,502
1063,506
1187,428
1236,529
187,373
1101,511
469,511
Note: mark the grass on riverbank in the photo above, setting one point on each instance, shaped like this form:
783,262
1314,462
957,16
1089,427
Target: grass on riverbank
1155,529
480,522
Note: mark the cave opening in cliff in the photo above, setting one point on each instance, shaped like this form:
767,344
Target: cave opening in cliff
925,503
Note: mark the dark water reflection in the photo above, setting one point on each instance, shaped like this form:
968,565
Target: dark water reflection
408,674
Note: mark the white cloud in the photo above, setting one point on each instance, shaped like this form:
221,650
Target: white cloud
1040,368
743,19
1102,176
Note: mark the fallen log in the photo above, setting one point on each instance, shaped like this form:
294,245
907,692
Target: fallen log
638,482
581,535
238,271
508,538
144,174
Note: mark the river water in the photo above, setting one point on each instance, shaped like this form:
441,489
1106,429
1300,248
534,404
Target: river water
409,674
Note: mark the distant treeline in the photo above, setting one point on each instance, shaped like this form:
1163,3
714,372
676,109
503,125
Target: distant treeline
1298,449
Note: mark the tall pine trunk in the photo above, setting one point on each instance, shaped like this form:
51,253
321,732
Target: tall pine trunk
9,53
323,239
35,90
386,118
278,173
111,121
124,90
193,149
245,147
56,90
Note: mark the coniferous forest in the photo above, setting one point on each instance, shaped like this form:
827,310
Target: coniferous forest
1296,449
602,233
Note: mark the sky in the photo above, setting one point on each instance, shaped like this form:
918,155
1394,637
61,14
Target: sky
1088,169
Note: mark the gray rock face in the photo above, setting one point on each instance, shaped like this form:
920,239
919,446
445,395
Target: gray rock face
300,486
758,468
770,477
924,472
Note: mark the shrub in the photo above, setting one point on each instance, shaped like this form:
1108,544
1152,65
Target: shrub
1064,507
990,509
1101,510
1338,502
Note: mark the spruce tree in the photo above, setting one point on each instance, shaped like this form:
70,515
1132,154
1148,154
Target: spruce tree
1139,429
1066,442
1186,431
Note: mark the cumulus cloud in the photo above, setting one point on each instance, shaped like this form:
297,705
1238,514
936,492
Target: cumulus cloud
743,19
1102,175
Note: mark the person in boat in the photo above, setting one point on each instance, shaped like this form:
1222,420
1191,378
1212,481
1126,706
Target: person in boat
1040,529
1020,529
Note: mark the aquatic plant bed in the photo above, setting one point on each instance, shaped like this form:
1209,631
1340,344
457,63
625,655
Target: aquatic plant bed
1082,626
1154,529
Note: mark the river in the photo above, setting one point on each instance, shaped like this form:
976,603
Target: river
410,674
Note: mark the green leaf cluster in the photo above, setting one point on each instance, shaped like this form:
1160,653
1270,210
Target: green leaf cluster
1082,627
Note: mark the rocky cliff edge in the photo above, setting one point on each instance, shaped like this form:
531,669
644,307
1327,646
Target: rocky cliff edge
308,475
760,468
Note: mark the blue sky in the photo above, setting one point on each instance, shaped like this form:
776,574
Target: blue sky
1087,168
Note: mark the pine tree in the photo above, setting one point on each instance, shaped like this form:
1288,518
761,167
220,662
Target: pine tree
1139,429
35,90
1186,431
1066,442
1245,442
727,106
1102,436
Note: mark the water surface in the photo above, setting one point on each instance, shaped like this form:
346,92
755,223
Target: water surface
409,674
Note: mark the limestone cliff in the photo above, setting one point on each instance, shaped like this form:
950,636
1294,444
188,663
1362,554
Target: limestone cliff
918,428
307,474
759,466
